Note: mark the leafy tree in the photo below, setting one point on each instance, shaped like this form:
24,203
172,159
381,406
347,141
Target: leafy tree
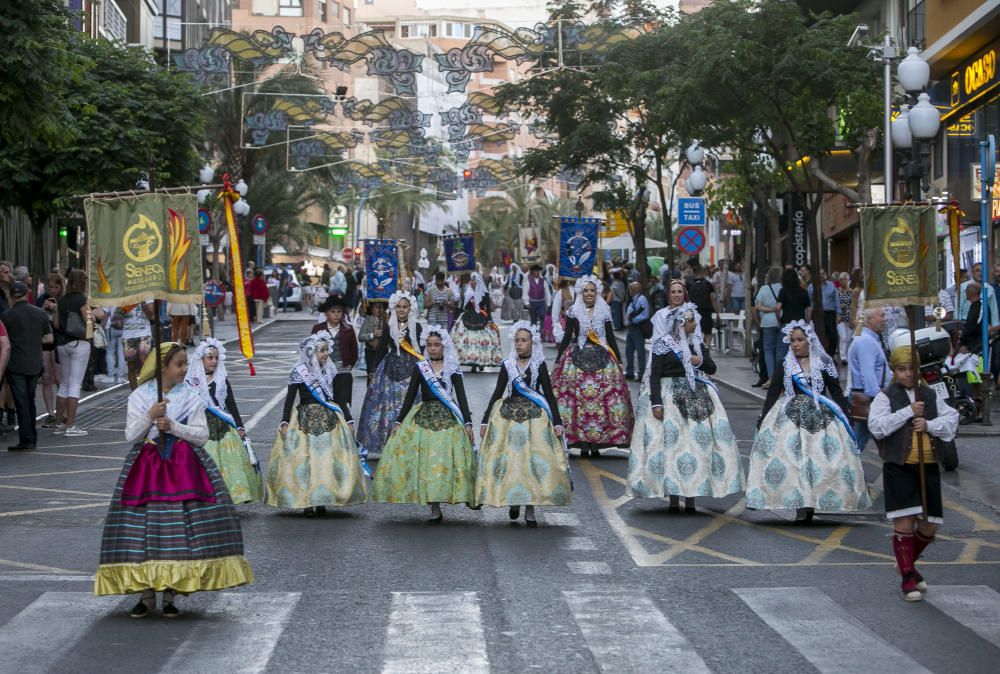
126,116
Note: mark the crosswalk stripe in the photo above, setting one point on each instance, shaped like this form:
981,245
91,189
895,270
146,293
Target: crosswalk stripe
240,629
975,606
35,639
431,632
824,633
627,633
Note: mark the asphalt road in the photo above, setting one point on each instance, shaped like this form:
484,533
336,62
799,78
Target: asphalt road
606,585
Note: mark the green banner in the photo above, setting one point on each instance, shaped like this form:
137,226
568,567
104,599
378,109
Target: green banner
144,247
899,244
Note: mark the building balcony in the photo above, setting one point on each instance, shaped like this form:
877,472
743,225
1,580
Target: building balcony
112,24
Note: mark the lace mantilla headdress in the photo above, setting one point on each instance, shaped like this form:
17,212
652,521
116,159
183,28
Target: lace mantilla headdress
474,295
316,374
601,313
819,360
669,336
451,364
411,321
516,277
537,353
197,378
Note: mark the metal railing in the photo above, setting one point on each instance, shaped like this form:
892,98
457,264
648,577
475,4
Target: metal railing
113,24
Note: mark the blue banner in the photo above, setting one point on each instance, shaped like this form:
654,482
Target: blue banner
460,253
577,246
381,269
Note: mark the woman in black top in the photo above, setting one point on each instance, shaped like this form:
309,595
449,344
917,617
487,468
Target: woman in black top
429,457
793,305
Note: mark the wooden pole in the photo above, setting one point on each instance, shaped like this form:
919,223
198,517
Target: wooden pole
918,436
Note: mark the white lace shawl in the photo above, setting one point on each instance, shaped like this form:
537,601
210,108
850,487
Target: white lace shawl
819,360
451,365
474,295
588,320
411,321
669,337
316,374
197,378
537,353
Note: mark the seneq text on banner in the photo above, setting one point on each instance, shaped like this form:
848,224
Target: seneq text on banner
144,247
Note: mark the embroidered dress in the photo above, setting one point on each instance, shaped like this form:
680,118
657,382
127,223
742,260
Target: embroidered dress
692,451
317,462
238,466
803,455
171,523
475,337
521,461
594,400
396,353
429,457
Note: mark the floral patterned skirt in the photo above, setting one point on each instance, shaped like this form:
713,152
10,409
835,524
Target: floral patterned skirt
691,452
245,484
594,401
316,463
803,457
476,346
428,459
521,461
383,401
547,335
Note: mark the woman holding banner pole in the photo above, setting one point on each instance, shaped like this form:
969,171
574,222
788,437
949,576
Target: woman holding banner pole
429,459
314,461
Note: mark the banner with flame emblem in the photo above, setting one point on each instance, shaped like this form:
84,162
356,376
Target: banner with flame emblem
460,253
899,245
530,240
144,247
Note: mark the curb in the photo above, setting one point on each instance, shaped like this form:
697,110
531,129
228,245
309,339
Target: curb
738,389
111,389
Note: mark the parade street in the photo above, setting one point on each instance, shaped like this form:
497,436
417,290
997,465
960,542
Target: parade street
605,585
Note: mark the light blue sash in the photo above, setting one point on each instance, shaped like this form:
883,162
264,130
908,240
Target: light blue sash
437,388
518,384
222,414
830,405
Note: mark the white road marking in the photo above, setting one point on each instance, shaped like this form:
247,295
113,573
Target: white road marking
975,606
824,633
237,627
578,543
590,568
262,412
36,639
435,632
625,632
561,519
43,578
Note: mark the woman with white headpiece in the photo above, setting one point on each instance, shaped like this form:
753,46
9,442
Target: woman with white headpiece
395,354
805,456
237,463
594,400
429,459
314,461
513,299
683,444
476,337
522,461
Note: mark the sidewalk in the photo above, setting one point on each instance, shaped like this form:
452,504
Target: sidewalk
736,374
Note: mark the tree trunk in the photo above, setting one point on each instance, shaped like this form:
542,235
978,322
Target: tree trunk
665,209
38,266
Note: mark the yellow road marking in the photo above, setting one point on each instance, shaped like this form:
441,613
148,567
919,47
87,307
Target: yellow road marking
970,551
829,544
979,522
61,472
37,567
681,546
55,491
36,511
688,543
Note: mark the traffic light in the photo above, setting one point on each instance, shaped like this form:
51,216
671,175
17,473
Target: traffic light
357,251
63,233
467,174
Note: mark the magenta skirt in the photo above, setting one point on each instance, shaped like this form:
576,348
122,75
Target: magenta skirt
176,474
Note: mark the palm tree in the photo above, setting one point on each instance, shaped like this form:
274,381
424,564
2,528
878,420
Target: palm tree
391,204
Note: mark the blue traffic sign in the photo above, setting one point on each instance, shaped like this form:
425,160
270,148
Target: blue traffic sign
691,212
215,293
204,220
691,240
259,224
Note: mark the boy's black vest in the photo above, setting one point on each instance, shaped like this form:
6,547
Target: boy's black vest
896,447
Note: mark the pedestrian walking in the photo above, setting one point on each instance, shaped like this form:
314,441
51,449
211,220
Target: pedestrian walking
395,356
475,337
594,400
226,436
171,526
702,293
794,305
513,301
314,461
683,444
114,358
438,300
537,297
845,321
805,455
344,346
768,311
909,421
737,289
617,301
550,277
869,371
73,351
27,330
137,337
428,458
831,309
372,332
182,322
638,315
54,288
259,294
522,460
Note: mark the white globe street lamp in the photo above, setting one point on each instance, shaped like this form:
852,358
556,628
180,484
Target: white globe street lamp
203,196
242,187
698,178
241,207
913,72
695,154
206,174
901,136
925,119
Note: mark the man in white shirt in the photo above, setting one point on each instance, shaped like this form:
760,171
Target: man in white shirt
963,304
737,289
